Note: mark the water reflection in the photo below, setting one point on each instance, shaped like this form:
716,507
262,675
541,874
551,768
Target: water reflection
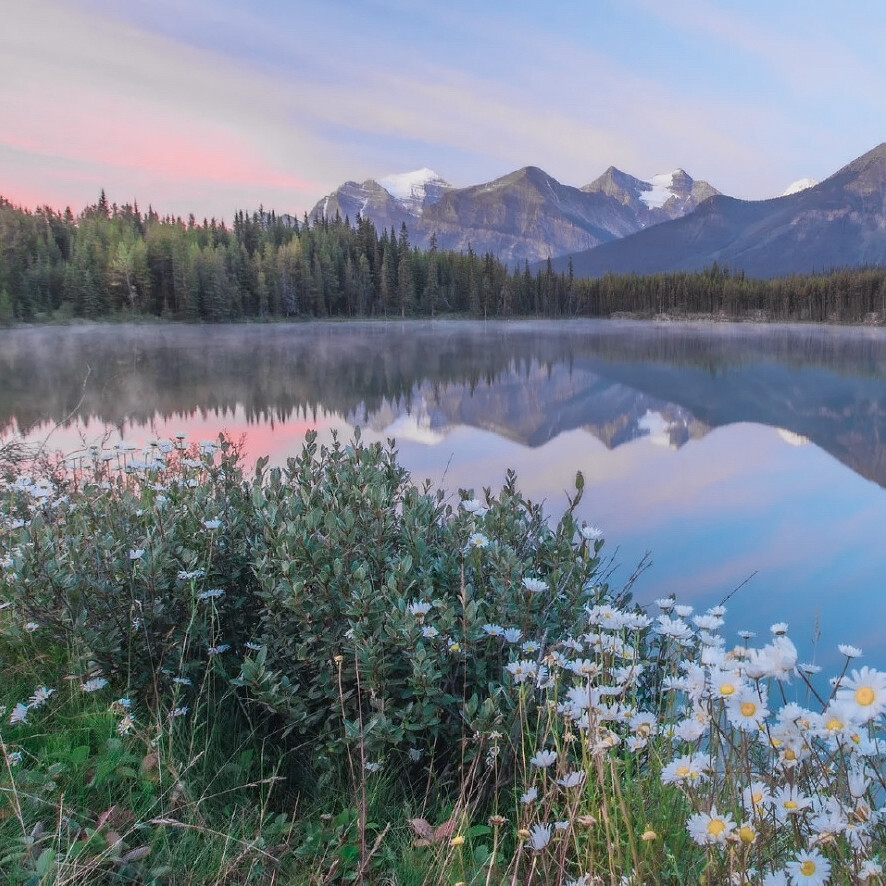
726,451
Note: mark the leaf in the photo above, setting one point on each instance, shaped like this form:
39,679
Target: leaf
102,819
79,754
422,828
444,831
136,854
44,863
429,835
478,830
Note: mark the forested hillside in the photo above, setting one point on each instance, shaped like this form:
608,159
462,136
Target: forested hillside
117,261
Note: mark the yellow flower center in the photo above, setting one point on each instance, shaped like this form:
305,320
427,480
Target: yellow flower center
748,708
682,771
791,804
807,869
790,754
716,826
864,695
833,724
746,834
757,798
727,689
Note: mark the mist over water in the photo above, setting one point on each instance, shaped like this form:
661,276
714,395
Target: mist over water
732,453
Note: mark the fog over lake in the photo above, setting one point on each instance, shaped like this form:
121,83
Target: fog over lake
732,453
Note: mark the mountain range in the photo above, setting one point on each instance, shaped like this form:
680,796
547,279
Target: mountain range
622,224
524,216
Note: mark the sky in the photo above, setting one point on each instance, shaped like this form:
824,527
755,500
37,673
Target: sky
211,106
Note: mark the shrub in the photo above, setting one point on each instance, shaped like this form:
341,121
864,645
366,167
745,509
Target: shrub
137,562
388,615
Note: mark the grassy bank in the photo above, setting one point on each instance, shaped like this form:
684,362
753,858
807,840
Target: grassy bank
328,674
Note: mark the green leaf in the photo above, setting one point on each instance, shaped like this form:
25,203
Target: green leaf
79,754
478,830
44,863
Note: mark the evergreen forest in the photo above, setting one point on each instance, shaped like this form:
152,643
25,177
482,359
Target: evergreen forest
116,261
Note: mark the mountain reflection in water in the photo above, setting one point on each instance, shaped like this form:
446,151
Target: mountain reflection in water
704,444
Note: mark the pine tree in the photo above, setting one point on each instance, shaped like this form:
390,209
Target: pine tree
6,313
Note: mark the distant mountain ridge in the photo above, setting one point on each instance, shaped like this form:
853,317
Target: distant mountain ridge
526,215
622,224
840,222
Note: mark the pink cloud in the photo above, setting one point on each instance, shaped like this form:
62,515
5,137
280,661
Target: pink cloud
149,140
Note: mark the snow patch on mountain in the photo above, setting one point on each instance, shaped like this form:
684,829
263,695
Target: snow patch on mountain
661,190
800,185
412,188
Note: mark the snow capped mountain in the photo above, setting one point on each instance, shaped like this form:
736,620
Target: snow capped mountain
523,216
416,189
660,190
835,224
800,185
666,196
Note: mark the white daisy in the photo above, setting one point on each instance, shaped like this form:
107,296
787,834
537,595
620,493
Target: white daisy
419,608
474,506
688,769
711,828
572,779
40,696
539,837
725,684
529,796
591,533
756,797
866,690
746,710
543,758
211,594
522,670
809,868
478,541
788,801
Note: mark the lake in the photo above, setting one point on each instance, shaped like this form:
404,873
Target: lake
739,456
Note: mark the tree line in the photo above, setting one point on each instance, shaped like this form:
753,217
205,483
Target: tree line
115,260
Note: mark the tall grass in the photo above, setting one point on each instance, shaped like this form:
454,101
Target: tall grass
324,673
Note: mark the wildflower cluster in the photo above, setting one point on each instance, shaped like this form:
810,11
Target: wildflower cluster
771,794
788,794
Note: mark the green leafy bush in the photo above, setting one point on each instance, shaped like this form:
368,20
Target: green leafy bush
387,615
139,563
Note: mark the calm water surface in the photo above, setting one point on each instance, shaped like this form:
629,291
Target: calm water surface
733,454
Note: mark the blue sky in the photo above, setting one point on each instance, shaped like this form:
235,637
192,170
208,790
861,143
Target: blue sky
213,105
